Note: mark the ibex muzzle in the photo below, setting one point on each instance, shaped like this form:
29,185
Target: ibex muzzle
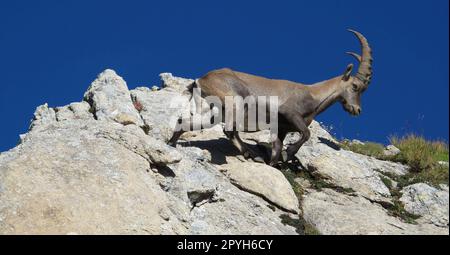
298,104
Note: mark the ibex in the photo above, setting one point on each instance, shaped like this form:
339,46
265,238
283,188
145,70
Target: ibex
298,104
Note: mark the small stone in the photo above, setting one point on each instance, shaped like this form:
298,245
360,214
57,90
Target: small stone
391,150
357,142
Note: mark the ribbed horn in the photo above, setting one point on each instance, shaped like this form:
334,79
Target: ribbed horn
365,66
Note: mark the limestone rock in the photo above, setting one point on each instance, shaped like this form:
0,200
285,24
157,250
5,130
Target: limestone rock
161,110
110,99
70,179
173,83
93,177
351,175
443,163
74,111
429,202
43,116
333,213
391,150
264,181
356,141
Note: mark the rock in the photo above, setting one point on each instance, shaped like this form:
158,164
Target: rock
443,163
264,181
333,213
351,175
68,178
322,143
74,173
356,141
43,116
173,83
391,150
161,110
430,203
110,99
346,169
74,111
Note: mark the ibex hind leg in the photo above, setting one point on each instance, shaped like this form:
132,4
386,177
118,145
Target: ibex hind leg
243,147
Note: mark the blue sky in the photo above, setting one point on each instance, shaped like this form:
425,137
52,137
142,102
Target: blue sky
50,51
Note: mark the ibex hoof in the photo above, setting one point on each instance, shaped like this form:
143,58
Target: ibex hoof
253,157
258,160
284,156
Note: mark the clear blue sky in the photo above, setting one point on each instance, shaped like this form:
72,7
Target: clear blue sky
50,51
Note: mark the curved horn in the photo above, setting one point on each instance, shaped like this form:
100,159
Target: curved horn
365,66
357,56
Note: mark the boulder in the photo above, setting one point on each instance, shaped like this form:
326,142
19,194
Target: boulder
333,213
429,202
264,181
161,110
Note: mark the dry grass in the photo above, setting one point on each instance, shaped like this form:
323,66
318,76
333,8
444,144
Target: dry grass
368,148
420,155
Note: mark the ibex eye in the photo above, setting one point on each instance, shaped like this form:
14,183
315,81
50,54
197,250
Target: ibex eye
355,87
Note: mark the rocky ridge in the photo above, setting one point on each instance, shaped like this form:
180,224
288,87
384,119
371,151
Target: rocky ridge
102,166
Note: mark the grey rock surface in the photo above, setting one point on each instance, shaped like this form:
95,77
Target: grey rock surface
333,213
265,181
73,173
429,202
391,150
110,99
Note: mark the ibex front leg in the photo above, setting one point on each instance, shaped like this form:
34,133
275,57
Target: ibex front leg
299,123
277,146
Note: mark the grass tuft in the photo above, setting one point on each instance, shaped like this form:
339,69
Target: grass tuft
420,155
368,148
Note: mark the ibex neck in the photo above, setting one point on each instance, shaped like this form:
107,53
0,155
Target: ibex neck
325,94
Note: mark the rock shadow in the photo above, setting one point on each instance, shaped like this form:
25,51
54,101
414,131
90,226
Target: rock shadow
220,149
329,143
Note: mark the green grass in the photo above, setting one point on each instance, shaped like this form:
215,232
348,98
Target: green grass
420,155
368,148
387,182
398,210
434,176
301,226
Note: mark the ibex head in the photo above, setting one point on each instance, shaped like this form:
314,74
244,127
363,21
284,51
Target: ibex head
353,86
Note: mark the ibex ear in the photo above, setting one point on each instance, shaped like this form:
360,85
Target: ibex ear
348,72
